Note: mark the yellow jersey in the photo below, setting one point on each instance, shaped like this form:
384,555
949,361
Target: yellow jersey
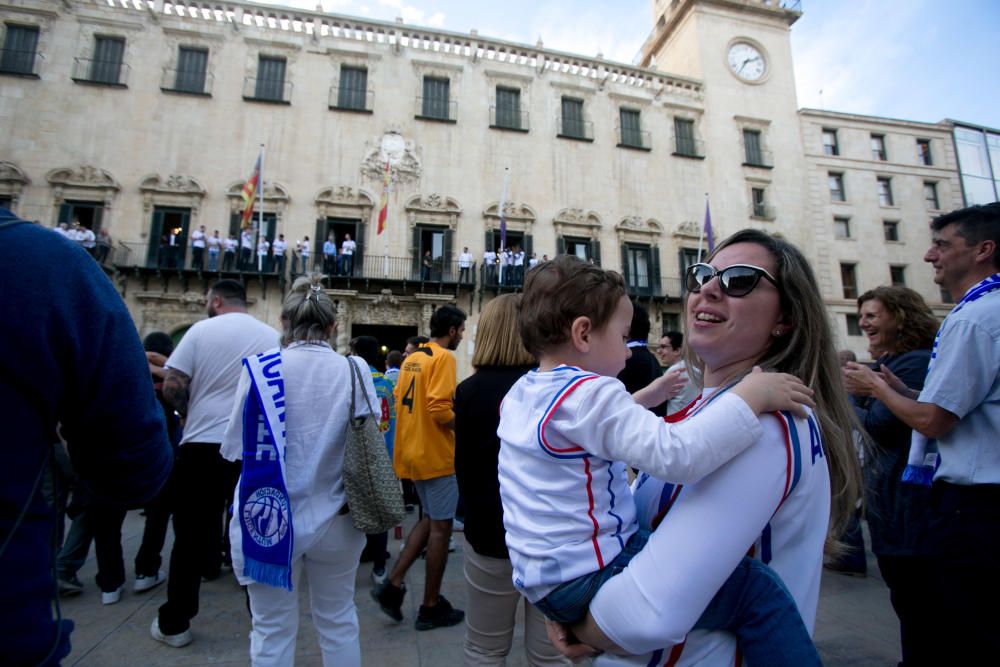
425,398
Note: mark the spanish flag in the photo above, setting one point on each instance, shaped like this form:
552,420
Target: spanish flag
383,212
250,192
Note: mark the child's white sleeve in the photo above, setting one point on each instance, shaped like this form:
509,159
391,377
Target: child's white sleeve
603,419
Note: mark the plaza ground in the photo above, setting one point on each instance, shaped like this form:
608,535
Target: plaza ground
855,624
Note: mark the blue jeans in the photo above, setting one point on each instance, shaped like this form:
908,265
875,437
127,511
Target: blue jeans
753,604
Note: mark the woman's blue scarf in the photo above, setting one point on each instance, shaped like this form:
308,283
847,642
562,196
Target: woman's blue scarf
924,459
264,510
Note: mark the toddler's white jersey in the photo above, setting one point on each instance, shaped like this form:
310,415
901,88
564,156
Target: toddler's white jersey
773,499
566,436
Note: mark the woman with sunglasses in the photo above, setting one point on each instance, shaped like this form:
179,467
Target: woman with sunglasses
754,302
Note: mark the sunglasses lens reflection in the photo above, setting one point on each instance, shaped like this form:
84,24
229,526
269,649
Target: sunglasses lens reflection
739,280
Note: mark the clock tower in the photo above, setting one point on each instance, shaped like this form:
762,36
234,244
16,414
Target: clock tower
741,52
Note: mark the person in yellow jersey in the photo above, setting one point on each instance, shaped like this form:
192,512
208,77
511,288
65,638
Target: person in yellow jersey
425,453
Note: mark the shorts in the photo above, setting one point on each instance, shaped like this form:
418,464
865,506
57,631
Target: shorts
438,496
568,602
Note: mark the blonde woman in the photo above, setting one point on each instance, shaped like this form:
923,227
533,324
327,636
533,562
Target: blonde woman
293,517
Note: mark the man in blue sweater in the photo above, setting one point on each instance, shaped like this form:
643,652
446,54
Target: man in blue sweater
72,358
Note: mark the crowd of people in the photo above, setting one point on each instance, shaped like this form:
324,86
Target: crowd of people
666,503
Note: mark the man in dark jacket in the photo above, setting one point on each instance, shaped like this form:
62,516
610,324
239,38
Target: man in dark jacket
642,367
72,359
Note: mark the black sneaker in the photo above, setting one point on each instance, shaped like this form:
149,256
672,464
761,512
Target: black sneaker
390,599
441,615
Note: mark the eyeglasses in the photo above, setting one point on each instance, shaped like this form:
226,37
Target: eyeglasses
736,280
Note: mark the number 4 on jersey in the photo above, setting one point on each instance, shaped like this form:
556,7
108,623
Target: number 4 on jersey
408,396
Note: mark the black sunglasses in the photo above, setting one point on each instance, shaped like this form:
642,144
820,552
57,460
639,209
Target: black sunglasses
736,280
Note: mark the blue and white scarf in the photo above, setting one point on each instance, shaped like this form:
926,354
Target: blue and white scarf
924,459
265,510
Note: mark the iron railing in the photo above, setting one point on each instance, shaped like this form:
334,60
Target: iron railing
103,72
436,108
504,118
193,82
689,147
19,61
575,128
351,99
267,90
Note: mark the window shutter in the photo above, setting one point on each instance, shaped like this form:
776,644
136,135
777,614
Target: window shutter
270,78
446,273
572,117
191,70
415,252
751,141
595,249
654,270
528,248
359,251
560,245
19,49
316,247
625,266
106,66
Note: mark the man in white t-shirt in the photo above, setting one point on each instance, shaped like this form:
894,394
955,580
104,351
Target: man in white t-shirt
88,239
198,248
305,255
229,253
489,267
347,248
246,250
263,248
278,249
464,265
201,381
214,244
518,266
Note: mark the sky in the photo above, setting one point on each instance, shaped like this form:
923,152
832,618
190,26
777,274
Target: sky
922,60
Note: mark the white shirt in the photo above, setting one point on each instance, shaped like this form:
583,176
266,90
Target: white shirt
519,258
279,247
229,245
263,246
211,354
197,239
314,376
489,258
465,260
533,262
566,436
87,238
508,258
709,528
246,240
213,244
347,247
688,393
305,248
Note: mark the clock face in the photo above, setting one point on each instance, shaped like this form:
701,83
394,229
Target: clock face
746,61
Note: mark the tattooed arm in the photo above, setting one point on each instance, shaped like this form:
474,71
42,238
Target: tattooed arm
176,390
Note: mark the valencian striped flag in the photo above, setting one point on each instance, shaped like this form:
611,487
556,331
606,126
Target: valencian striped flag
383,211
250,191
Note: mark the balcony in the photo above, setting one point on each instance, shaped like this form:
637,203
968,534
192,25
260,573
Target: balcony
637,139
437,109
509,119
270,91
693,148
575,128
643,286
758,158
110,73
186,82
358,100
19,63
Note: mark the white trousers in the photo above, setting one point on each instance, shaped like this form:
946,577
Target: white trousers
490,616
331,565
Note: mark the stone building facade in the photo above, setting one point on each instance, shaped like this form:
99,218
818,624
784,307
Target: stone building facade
146,118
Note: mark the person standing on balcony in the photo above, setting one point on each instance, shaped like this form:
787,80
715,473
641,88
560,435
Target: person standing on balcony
489,266
229,253
246,249
263,248
330,256
214,243
347,249
278,249
464,265
198,248
103,245
306,249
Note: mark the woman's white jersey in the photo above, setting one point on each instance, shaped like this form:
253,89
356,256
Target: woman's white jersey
566,436
772,501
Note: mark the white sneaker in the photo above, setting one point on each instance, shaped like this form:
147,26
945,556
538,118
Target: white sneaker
113,597
457,525
143,584
177,641
379,576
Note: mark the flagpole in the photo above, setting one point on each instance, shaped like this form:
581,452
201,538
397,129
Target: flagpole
701,237
260,211
385,235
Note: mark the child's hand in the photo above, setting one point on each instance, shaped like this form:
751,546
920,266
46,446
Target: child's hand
770,392
661,389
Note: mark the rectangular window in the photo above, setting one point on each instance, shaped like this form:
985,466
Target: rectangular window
751,144
849,280
352,90
19,47
830,146
842,228
631,129
890,230
853,325
191,66
572,118
897,276
106,66
637,267
684,143
437,98
931,196
270,79
509,108
878,148
836,184
758,200
924,152
885,191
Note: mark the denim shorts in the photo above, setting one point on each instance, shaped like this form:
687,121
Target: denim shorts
438,496
569,602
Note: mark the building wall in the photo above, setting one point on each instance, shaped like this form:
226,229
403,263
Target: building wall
138,146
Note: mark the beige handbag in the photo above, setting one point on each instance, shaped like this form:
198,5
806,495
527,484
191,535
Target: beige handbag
374,496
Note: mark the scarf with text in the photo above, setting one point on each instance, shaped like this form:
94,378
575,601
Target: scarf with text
265,511
923,460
